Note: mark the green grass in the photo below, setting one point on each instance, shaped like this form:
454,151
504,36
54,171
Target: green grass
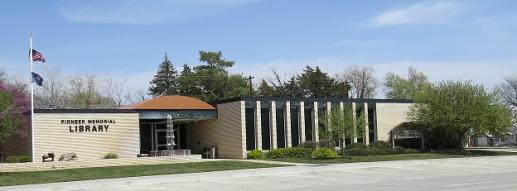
49,176
414,156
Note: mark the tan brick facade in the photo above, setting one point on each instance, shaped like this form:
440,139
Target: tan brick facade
389,115
227,133
121,136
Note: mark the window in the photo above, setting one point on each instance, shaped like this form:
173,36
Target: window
308,124
250,129
294,127
266,134
280,129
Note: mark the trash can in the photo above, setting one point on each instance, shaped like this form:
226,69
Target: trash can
212,152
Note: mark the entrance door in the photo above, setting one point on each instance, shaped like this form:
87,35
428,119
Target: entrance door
160,139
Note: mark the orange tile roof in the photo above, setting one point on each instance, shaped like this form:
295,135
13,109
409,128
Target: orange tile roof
170,102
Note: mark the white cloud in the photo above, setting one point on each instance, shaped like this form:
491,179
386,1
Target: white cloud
144,12
420,13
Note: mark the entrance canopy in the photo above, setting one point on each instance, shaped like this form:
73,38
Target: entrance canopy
179,107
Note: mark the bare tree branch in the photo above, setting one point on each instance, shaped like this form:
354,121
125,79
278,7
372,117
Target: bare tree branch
364,83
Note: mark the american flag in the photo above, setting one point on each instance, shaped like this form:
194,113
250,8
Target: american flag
36,56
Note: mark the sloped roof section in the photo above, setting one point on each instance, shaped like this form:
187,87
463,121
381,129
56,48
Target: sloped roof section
170,103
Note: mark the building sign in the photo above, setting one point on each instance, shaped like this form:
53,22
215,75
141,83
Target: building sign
407,134
86,126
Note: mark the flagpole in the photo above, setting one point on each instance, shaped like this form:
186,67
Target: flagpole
32,100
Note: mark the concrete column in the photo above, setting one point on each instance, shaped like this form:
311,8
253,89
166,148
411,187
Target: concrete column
301,122
366,129
342,109
258,127
243,128
315,131
354,116
328,110
287,125
272,124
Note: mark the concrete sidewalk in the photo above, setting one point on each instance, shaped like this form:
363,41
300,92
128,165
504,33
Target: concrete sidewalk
472,174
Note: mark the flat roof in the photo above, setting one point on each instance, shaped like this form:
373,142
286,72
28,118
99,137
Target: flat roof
346,100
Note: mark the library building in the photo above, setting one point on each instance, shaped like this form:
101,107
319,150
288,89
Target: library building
180,125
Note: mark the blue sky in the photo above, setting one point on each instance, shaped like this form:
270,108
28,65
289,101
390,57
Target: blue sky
466,40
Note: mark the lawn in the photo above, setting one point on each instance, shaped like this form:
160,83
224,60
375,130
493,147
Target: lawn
49,176
414,156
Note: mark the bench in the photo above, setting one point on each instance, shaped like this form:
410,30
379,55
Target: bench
47,156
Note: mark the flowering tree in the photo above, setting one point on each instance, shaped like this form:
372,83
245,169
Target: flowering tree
14,106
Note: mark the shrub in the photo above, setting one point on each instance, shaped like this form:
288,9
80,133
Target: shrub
358,151
12,159
381,144
324,153
298,152
327,144
410,151
285,153
24,159
309,144
355,145
110,156
399,150
318,144
255,154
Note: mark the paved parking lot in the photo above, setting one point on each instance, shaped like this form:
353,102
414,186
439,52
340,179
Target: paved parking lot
480,173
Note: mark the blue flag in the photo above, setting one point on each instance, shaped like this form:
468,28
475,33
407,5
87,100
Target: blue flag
36,78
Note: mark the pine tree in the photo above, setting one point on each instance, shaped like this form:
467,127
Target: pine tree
187,83
265,89
165,81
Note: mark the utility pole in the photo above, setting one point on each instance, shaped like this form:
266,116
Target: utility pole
251,85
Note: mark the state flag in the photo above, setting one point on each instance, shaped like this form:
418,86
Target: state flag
36,78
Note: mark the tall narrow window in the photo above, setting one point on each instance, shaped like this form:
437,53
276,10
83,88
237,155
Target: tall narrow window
308,124
371,124
280,129
266,133
183,136
294,127
250,129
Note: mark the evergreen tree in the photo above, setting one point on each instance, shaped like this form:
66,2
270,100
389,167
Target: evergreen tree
265,89
315,83
187,84
165,81
214,81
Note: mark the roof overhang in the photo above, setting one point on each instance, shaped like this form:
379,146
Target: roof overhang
185,115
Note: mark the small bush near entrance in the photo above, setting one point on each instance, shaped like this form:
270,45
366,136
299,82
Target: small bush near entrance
24,158
324,153
18,159
11,159
255,154
110,156
286,153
